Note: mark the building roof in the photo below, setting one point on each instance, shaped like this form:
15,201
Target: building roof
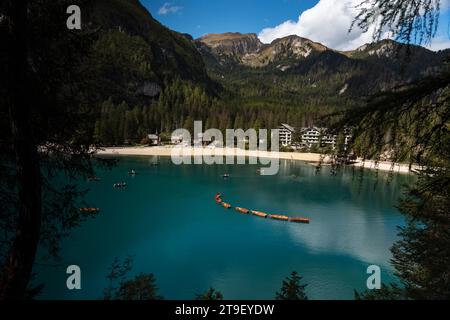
314,128
290,128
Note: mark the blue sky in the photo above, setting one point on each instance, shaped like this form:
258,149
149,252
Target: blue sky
325,21
199,17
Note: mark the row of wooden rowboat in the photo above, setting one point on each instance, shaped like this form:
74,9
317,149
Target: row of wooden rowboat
259,213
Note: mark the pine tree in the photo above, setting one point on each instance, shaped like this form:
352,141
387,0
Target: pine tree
413,122
416,119
210,295
292,289
142,287
47,129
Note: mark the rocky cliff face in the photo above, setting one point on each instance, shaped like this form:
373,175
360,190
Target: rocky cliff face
283,50
248,50
232,45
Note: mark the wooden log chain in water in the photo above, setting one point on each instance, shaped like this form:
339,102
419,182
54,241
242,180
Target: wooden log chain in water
260,214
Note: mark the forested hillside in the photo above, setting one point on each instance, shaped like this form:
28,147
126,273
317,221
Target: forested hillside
130,37
157,80
305,80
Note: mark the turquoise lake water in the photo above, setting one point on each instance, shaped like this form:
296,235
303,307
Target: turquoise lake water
168,220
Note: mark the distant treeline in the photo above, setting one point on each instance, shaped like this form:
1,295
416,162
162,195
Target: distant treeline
182,102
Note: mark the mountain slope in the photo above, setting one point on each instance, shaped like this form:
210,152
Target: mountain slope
136,54
233,45
294,61
414,61
248,50
284,50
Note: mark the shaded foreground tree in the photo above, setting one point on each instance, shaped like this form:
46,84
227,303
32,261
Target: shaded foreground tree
210,295
386,292
417,130
409,21
292,289
44,101
141,287
412,123
18,266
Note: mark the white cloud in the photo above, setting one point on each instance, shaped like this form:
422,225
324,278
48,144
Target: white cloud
328,23
169,8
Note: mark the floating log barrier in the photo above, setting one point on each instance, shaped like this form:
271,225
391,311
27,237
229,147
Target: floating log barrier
242,210
299,220
226,205
260,214
278,217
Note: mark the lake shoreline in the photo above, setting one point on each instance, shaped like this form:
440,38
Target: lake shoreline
295,156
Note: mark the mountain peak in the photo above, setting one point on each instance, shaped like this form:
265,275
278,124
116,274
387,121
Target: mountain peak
232,44
227,36
297,42
249,50
387,48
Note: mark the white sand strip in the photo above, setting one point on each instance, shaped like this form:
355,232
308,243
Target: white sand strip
190,151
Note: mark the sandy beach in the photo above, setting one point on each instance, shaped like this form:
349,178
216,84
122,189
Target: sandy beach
166,151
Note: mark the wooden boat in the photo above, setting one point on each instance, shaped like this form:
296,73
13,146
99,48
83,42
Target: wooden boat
278,217
89,210
299,220
226,205
242,210
120,185
259,214
218,201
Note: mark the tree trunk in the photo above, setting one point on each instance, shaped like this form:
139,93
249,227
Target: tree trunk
19,263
